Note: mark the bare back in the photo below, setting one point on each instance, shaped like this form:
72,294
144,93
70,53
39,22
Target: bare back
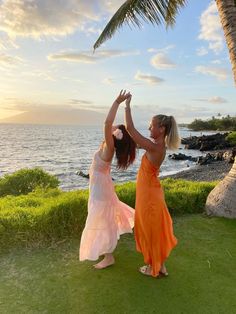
157,156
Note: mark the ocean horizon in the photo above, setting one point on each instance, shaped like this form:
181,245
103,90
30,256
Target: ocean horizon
63,150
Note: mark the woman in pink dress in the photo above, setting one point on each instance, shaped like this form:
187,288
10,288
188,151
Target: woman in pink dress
108,217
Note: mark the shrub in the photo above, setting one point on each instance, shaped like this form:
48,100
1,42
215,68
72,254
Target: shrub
38,218
126,193
231,138
25,181
186,197
43,217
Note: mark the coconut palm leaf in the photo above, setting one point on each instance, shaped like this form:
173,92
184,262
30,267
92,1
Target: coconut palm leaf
137,11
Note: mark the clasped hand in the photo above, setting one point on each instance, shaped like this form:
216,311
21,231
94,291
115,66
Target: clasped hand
124,96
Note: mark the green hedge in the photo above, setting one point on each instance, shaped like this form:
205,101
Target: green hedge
186,197
45,216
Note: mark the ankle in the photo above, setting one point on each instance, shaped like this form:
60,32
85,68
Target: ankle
109,256
163,269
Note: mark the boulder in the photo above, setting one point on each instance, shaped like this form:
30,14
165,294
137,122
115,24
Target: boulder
207,142
181,156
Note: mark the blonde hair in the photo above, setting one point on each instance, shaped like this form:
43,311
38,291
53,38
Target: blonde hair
171,130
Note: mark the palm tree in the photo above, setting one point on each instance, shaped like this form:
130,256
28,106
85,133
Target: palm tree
165,11
222,200
136,11
227,13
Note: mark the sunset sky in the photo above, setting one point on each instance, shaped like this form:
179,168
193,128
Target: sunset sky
47,61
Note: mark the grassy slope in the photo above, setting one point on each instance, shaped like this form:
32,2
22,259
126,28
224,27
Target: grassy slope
52,280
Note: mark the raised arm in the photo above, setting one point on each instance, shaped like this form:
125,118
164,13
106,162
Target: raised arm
139,139
111,117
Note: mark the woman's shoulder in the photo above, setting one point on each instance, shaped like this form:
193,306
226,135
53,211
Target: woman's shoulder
105,155
157,148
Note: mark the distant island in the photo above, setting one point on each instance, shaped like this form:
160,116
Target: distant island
57,116
183,125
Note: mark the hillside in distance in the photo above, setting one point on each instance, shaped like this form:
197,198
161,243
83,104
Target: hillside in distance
57,116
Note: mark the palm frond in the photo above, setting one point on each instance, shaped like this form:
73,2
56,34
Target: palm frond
137,11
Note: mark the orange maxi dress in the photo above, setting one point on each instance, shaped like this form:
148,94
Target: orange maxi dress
153,224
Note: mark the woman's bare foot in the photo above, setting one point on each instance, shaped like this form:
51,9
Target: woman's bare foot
107,261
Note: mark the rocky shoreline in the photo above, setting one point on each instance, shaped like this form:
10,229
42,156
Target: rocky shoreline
214,165
210,172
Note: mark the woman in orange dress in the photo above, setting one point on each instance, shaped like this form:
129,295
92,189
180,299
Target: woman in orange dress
153,224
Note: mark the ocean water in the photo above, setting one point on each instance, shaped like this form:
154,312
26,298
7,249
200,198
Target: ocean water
64,150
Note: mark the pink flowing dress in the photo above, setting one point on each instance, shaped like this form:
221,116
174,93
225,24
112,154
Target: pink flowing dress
107,218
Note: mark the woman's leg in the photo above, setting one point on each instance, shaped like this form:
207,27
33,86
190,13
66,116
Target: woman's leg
108,260
163,270
147,270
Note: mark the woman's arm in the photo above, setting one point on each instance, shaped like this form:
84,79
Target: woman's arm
110,119
139,139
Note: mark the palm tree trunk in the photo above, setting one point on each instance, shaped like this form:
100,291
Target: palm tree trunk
222,199
227,13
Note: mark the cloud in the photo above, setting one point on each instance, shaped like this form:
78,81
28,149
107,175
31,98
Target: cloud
161,61
40,18
219,73
216,61
25,105
7,43
80,102
88,56
211,28
143,112
213,100
164,50
147,78
93,30
7,60
73,57
39,74
183,113
217,100
116,53
48,18
202,51
151,50
86,105
111,6
108,81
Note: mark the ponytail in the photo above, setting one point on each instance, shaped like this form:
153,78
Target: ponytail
172,138
171,131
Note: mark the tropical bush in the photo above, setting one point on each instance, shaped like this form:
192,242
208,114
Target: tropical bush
186,197
25,181
42,217
231,138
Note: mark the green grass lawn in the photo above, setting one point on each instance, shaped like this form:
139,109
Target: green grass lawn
51,280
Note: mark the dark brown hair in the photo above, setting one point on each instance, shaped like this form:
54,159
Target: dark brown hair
125,149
